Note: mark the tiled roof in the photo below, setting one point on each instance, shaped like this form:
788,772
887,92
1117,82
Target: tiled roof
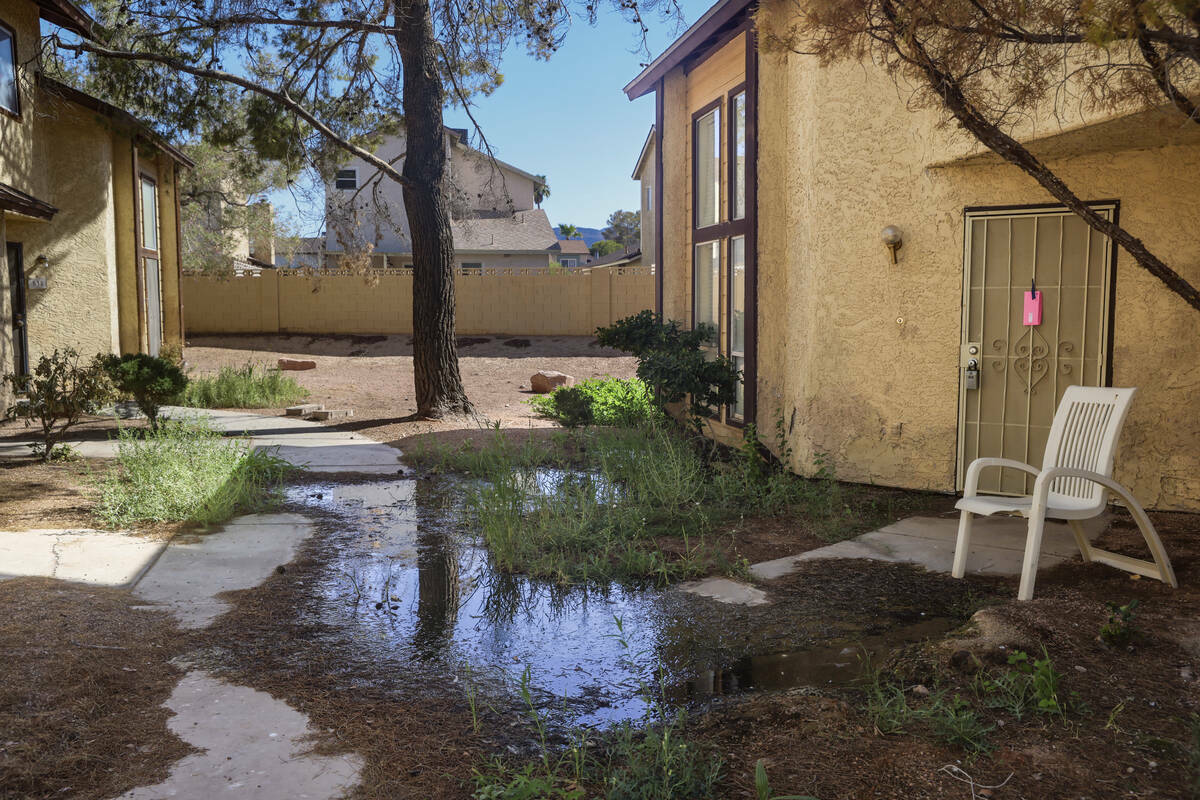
572,246
616,259
522,230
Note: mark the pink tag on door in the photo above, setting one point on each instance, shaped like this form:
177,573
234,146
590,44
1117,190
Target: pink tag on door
1033,308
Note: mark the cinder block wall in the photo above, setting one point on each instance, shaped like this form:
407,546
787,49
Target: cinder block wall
533,304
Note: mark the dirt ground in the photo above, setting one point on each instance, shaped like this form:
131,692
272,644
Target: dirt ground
373,375
85,675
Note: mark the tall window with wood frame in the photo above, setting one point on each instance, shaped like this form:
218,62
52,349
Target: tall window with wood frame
10,92
721,228
149,260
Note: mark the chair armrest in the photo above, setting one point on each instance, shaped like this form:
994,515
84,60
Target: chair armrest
971,482
1041,487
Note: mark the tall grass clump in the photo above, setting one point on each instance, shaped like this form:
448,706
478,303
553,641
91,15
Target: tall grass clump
186,471
247,386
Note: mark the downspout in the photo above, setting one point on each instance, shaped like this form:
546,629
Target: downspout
178,256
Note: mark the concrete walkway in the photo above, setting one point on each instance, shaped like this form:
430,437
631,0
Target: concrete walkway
250,746
997,548
194,570
297,441
84,555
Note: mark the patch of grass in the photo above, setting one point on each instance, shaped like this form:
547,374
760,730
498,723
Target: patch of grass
186,471
242,387
600,401
954,721
642,504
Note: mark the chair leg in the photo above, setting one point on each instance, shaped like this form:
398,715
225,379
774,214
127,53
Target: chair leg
1033,552
1085,547
962,545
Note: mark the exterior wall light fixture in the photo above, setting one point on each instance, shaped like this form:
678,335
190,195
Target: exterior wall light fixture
41,263
893,239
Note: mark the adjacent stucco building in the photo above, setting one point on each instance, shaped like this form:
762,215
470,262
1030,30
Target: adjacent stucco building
88,210
495,221
774,176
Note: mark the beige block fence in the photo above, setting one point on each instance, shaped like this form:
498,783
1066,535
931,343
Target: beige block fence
532,302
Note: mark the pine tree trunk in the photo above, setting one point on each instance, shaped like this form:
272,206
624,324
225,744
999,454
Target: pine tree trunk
435,359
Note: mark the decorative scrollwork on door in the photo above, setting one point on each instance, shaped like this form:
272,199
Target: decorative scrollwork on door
1030,360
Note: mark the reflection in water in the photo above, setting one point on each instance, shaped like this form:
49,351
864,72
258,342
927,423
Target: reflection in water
437,582
405,588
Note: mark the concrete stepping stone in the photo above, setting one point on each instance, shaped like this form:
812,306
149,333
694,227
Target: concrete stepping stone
303,410
324,414
250,745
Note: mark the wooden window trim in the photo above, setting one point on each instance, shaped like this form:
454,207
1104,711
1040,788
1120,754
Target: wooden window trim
16,72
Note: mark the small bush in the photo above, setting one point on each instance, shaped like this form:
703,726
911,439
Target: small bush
186,471
150,380
675,363
242,387
599,401
57,395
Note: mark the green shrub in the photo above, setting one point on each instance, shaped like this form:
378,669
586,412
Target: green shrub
242,387
599,401
150,380
57,394
677,364
186,471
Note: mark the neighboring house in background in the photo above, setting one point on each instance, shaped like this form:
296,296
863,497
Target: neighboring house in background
494,219
88,210
768,209
572,252
643,173
306,253
630,259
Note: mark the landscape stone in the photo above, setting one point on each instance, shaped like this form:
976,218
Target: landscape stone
296,364
548,380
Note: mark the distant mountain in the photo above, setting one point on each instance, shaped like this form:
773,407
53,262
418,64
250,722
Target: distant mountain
589,235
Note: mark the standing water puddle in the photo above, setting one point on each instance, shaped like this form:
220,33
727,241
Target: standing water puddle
411,591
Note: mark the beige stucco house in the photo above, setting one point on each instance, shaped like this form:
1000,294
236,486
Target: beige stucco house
495,222
88,210
774,177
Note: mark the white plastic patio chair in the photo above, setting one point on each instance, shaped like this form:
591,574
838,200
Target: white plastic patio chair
1072,485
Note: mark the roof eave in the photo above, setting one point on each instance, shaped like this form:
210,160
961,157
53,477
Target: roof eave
712,21
67,15
96,104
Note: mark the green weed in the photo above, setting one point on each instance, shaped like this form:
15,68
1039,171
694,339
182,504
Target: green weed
1120,628
762,786
955,722
242,387
186,471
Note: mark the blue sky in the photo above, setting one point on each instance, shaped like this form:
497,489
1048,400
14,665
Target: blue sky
568,119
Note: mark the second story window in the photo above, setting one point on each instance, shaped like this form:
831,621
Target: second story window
346,179
707,170
10,99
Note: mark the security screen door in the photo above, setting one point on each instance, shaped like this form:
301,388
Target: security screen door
1006,408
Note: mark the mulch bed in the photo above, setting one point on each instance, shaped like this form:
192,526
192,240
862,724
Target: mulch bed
84,679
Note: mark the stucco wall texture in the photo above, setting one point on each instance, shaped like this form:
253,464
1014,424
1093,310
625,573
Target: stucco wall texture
533,305
859,357
75,152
